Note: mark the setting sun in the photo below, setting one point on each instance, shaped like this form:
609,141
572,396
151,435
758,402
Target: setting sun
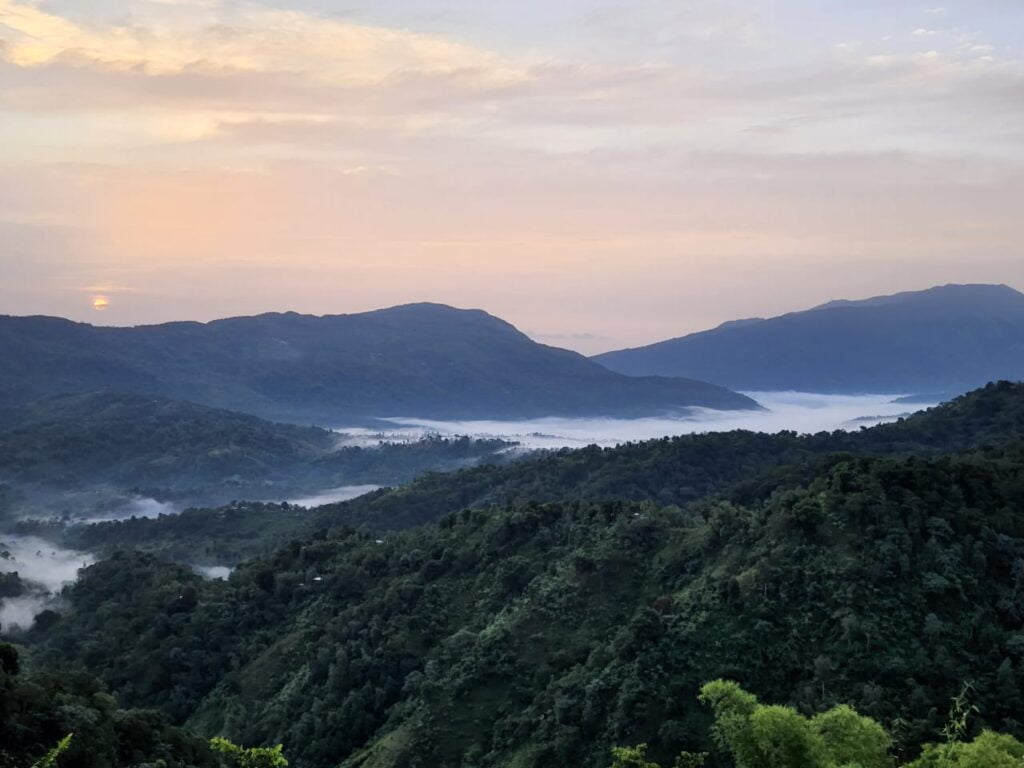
100,303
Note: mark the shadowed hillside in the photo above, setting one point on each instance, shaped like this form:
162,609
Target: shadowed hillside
424,360
946,339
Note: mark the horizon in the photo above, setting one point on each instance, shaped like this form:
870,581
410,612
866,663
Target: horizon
598,173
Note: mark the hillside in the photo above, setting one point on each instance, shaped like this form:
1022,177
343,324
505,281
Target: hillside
945,339
670,471
424,360
542,634
89,452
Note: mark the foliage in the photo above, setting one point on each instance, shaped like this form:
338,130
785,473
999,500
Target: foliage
252,757
672,471
760,736
38,711
631,757
988,750
525,633
49,760
85,455
763,736
563,629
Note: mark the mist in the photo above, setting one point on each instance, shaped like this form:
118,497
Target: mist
44,570
138,506
334,495
213,571
797,411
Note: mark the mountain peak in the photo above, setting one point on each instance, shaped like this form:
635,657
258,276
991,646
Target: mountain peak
957,294
943,339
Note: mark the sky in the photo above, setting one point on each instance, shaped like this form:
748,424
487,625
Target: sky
600,174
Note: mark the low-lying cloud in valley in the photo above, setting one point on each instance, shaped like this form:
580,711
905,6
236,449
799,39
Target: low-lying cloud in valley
44,569
138,506
797,411
334,495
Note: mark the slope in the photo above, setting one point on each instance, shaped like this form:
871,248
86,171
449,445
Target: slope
424,360
539,635
670,471
945,339
86,451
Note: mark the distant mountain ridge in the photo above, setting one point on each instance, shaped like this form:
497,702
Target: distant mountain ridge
948,338
425,360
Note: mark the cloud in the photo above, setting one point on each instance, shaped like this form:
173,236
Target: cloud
803,412
44,569
260,40
267,80
220,158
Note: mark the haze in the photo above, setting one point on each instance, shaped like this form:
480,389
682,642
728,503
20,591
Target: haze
44,568
801,412
600,174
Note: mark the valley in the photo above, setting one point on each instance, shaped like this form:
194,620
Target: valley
562,384
541,594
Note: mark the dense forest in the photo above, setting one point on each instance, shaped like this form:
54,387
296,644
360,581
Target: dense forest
879,571
670,471
86,454
38,710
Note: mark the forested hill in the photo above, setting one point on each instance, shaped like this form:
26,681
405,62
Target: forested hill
108,435
542,634
945,339
670,471
105,446
681,469
425,360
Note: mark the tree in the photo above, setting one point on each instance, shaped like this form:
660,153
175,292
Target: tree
631,757
772,736
852,739
49,760
253,757
989,750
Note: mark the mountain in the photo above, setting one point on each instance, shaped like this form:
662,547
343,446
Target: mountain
536,635
945,339
423,360
90,453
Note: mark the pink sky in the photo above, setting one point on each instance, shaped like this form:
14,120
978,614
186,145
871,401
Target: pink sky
599,175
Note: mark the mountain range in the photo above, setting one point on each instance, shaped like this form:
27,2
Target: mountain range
943,340
423,360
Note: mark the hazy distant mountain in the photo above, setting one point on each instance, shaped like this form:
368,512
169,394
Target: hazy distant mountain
944,339
423,360
87,453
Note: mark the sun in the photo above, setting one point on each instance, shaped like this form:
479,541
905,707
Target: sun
100,303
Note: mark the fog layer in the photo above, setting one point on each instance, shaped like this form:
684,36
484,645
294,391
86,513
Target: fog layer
138,506
43,568
798,411
333,495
